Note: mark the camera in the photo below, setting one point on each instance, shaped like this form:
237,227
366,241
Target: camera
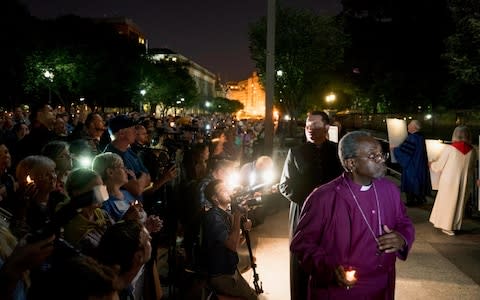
245,201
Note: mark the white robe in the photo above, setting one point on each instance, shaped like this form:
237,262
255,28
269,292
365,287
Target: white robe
455,185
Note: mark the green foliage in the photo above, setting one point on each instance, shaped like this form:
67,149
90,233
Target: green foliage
87,59
462,50
168,84
224,105
308,48
463,55
60,63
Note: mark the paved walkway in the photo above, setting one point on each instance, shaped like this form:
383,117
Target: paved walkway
438,267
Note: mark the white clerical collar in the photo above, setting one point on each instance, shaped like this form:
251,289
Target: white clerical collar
365,188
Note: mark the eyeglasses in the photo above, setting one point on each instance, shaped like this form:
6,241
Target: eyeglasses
377,157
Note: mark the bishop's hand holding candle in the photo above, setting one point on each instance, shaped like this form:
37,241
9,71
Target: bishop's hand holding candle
345,277
352,229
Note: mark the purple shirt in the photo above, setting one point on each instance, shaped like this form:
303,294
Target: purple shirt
332,232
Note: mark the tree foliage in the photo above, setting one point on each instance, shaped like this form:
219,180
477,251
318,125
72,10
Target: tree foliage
87,60
224,105
395,54
168,84
308,47
463,55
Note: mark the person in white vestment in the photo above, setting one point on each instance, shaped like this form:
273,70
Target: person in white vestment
456,166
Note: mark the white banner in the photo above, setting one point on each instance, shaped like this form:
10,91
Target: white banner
434,149
333,133
397,133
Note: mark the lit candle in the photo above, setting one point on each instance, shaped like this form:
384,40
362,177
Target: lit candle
350,275
29,180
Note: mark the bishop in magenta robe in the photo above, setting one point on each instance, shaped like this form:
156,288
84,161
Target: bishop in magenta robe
333,232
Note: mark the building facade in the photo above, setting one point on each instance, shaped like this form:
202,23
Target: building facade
126,27
205,80
250,93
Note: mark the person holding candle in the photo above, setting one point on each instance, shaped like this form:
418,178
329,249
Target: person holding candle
352,229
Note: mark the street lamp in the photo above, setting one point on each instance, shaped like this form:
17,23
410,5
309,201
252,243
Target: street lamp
330,98
142,92
49,76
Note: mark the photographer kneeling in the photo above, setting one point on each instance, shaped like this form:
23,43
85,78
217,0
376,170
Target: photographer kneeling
221,237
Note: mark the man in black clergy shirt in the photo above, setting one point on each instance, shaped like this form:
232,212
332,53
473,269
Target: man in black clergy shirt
307,166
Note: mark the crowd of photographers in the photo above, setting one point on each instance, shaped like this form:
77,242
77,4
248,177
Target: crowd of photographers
87,200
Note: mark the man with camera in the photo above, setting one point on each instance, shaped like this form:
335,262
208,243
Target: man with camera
221,237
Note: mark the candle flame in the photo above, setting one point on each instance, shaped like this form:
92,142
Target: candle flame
350,275
29,180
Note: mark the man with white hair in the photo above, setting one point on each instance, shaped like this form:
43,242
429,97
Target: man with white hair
412,157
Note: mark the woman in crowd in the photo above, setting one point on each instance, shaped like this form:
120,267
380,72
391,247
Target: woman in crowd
37,179
8,185
58,151
456,166
195,162
85,188
110,167
114,174
218,141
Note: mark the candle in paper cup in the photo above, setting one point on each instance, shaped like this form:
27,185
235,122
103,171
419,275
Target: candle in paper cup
350,275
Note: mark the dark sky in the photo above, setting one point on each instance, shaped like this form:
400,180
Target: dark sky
213,33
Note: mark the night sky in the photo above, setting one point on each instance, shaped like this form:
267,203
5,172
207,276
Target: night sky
213,33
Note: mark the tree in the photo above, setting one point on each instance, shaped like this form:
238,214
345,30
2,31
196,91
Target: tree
307,48
87,59
168,84
224,105
395,53
462,54
56,70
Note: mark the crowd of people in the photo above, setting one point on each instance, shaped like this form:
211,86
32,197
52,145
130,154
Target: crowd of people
87,201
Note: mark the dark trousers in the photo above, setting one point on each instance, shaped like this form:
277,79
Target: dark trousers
298,280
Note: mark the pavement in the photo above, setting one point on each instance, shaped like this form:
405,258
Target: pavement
438,266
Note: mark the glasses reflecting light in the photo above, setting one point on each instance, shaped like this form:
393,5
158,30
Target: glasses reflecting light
377,157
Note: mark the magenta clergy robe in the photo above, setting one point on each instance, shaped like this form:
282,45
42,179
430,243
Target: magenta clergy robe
333,232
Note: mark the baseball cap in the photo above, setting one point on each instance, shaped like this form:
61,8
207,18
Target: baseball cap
120,122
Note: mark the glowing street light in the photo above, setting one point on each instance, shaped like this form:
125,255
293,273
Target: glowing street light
49,76
330,98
